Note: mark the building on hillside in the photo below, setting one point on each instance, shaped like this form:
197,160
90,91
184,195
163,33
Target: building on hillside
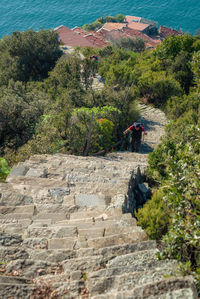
146,26
72,39
112,26
165,32
149,41
96,38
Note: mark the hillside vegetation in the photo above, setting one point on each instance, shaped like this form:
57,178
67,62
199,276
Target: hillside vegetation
47,100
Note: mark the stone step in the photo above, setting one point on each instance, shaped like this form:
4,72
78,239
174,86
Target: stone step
82,241
117,239
173,288
99,262
89,263
7,239
27,209
59,255
52,216
14,280
101,221
133,258
12,216
16,290
126,281
30,268
98,212
146,266
104,232
50,232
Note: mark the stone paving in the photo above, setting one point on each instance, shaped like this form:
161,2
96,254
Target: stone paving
67,230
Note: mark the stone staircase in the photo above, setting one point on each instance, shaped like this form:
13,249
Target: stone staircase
67,231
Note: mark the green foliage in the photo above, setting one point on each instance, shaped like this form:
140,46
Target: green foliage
173,45
101,134
154,216
157,87
118,68
28,55
133,44
4,169
105,133
196,69
101,21
19,112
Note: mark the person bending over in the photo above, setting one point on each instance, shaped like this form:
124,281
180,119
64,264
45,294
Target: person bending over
137,130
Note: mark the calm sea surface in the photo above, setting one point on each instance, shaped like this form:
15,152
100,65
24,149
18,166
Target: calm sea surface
24,14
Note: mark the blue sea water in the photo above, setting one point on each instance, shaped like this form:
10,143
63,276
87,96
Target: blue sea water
24,14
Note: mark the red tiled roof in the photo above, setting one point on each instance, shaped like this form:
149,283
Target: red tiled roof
96,38
113,26
116,35
71,38
165,32
138,26
130,19
145,37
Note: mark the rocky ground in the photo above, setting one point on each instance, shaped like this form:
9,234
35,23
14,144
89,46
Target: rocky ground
67,229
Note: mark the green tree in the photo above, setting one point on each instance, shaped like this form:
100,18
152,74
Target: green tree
19,113
28,55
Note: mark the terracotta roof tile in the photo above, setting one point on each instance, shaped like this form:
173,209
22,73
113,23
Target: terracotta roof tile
71,38
130,19
138,26
96,38
165,32
115,26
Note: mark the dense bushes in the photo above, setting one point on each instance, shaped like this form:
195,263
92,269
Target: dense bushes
174,167
28,55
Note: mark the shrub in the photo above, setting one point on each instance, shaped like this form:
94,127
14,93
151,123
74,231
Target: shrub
4,169
154,216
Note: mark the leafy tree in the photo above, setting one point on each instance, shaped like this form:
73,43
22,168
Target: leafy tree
19,113
28,55
134,44
157,87
154,216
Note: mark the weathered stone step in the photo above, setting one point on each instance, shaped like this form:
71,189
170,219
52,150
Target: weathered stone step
126,281
14,280
89,263
15,291
99,242
69,231
52,216
117,239
59,255
133,258
178,287
7,239
30,268
50,232
146,266
98,262
27,209
16,216
97,212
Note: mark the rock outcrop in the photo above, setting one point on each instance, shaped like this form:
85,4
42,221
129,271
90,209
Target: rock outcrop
67,229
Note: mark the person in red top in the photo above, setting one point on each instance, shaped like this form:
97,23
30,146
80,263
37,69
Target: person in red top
137,130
